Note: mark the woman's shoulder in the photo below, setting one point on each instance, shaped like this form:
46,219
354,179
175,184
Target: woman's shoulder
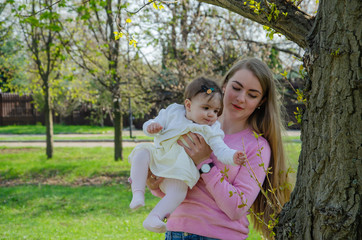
257,137
248,138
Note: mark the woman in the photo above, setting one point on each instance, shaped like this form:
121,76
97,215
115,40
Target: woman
217,207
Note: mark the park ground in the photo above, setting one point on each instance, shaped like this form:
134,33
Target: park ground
83,140
81,193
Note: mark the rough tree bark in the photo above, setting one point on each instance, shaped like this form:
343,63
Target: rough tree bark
326,201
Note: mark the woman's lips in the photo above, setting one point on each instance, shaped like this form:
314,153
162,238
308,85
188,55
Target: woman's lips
237,107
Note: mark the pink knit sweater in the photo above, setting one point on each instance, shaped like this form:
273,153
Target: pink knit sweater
208,209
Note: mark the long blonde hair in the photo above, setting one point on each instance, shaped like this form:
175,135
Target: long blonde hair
267,121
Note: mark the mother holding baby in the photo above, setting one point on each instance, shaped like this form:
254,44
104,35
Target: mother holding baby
217,206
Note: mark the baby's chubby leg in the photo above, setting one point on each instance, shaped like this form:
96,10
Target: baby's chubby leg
139,170
175,192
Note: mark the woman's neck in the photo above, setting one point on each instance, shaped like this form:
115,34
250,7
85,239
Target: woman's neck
230,126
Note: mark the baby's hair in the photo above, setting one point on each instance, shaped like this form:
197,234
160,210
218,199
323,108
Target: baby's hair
209,88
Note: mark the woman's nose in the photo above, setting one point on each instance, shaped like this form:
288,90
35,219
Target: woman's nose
241,97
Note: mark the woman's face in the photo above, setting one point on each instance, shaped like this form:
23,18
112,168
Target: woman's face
242,95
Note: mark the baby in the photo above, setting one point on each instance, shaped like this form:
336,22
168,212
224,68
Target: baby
166,158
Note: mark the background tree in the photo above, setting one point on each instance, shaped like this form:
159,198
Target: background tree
94,48
326,201
73,89
194,39
39,24
11,59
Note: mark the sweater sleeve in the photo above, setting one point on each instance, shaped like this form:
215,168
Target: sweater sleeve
235,197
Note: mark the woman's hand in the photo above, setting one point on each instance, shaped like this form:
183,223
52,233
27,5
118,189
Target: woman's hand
153,182
198,149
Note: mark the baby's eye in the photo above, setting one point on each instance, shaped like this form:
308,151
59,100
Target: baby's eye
216,111
206,108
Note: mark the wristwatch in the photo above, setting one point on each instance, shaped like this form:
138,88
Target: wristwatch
205,168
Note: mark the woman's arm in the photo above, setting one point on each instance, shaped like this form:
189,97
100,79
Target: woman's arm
233,198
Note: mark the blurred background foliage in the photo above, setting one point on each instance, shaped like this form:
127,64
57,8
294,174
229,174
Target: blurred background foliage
170,47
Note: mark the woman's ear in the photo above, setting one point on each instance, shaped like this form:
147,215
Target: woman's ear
188,105
262,102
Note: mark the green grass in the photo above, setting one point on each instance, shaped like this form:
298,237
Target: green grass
38,211
65,137
58,129
67,164
83,212
37,133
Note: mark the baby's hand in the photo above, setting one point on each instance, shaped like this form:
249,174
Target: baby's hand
239,158
154,128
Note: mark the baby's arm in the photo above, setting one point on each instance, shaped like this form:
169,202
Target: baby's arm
161,120
223,153
226,155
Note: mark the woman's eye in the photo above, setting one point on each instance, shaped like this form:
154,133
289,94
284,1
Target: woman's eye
253,96
235,88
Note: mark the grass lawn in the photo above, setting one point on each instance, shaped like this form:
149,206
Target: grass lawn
75,195
37,133
42,137
80,212
66,166
58,129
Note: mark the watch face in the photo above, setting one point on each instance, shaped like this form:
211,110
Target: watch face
205,168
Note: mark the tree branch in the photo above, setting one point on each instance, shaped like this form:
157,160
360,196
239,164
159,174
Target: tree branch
238,37
295,26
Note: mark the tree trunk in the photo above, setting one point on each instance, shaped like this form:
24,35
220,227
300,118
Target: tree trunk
326,201
117,130
48,123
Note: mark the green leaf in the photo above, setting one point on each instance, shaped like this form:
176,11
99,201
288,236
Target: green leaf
242,205
23,6
284,74
86,16
55,28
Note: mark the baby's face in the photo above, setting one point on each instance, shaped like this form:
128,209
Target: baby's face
201,110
